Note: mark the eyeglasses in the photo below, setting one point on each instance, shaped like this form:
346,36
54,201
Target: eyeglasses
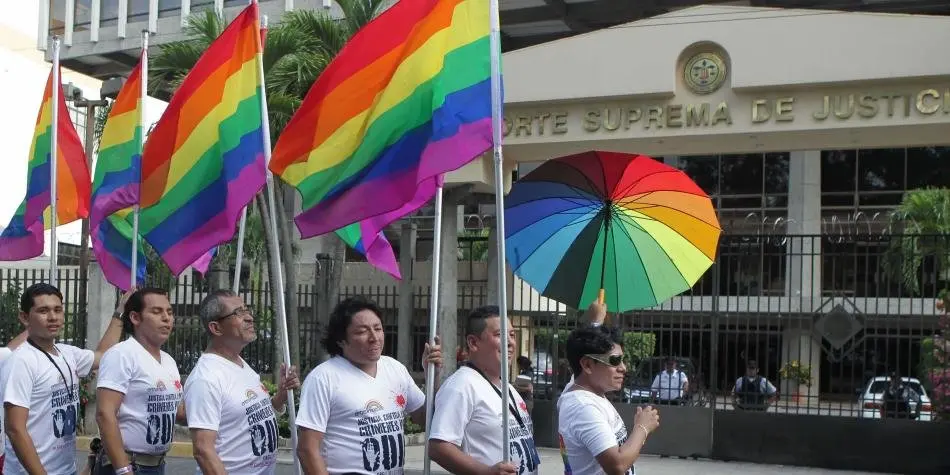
238,312
609,360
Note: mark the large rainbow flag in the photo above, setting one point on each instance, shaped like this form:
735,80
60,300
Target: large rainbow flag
204,160
23,237
115,187
406,100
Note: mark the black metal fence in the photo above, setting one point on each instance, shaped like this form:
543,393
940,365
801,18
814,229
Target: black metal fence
14,281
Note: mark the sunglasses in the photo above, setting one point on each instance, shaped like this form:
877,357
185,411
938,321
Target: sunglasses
238,312
609,360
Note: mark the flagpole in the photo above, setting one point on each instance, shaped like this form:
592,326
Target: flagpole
433,321
143,75
275,264
57,89
496,113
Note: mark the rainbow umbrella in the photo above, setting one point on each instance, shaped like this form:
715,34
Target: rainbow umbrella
623,228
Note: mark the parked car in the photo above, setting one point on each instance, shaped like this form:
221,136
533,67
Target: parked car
637,386
870,400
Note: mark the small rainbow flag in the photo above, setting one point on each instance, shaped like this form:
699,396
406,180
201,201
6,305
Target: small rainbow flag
115,188
23,237
406,100
204,160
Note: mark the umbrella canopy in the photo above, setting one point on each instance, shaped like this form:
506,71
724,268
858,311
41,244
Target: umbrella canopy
631,226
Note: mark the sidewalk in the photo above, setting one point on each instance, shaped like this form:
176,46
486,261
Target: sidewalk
551,464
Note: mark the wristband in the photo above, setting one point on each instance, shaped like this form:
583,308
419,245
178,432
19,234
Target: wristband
646,433
596,324
124,470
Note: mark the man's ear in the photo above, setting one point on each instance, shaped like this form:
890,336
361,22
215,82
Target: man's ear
24,318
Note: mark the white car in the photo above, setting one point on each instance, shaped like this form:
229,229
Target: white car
870,400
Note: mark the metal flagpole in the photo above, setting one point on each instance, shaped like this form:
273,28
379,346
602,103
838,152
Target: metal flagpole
496,115
275,264
143,74
433,322
57,90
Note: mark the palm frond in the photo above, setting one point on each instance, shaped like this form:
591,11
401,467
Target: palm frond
280,108
318,32
923,222
204,27
357,13
295,73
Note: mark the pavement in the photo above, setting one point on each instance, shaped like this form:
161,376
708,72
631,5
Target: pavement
551,465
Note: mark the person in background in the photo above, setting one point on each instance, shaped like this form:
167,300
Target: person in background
40,384
898,399
5,353
523,382
464,437
139,390
352,406
753,392
592,435
669,386
230,413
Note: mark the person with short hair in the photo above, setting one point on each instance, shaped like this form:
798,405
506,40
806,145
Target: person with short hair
753,392
669,386
592,435
899,400
232,417
5,353
465,437
41,386
139,390
352,406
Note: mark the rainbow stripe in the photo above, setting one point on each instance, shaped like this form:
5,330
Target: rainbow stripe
115,188
406,100
378,251
23,237
204,160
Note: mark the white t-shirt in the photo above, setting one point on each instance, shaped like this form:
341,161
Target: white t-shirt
669,386
4,354
468,414
152,392
30,380
230,399
361,417
587,425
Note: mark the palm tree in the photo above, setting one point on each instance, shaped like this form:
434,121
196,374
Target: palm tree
295,54
923,221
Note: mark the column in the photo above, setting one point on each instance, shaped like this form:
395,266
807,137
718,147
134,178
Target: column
100,304
407,256
803,271
448,280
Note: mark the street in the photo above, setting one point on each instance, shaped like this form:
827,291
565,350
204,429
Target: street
551,465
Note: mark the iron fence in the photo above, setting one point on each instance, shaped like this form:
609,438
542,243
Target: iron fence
14,281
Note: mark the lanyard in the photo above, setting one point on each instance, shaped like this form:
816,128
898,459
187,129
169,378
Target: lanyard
514,411
69,389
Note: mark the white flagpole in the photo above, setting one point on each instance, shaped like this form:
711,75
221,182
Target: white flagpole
57,89
496,113
275,264
433,321
143,74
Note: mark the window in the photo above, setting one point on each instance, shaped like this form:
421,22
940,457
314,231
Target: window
928,166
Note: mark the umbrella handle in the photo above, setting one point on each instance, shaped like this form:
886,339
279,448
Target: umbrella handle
600,297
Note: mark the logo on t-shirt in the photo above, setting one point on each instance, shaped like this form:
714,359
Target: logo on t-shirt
64,404
383,437
178,384
262,424
161,407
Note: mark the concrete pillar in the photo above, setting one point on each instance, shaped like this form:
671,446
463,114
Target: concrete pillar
803,272
100,304
407,256
448,281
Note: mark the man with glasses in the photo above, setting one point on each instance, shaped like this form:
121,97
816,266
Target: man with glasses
465,436
593,437
230,413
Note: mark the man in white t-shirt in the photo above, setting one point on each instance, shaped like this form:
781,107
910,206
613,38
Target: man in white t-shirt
352,406
5,353
232,417
139,390
40,384
670,385
466,433
594,439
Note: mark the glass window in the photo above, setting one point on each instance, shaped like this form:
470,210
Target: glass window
108,12
776,173
704,170
57,16
82,15
881,169
837,170
138,11
169,8
741,174
928,166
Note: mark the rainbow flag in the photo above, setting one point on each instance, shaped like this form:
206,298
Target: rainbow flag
23,237
115,188
204,160
406,100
